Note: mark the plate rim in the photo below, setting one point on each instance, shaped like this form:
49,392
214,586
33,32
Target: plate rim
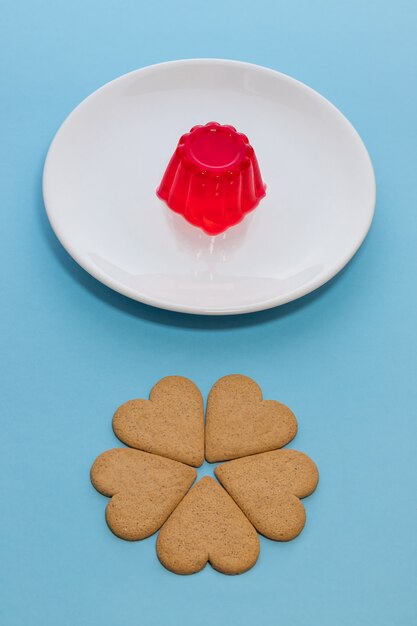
160,303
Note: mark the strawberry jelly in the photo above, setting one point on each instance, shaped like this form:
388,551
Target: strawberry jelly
213,178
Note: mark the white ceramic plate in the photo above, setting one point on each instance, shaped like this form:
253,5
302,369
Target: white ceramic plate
109,155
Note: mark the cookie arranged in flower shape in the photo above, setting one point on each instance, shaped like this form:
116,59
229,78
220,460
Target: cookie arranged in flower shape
144,489
239,422
207,526
261,485
268,487
170,423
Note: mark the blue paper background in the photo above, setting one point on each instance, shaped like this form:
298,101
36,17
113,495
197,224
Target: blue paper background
343,358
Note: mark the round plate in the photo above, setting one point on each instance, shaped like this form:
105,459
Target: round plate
109,155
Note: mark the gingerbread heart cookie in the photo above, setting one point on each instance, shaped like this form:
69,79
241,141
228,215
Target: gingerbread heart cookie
144,489
268,487
170,423
207,526
239,422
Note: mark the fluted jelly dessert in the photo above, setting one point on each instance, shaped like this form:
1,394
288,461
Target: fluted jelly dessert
213,178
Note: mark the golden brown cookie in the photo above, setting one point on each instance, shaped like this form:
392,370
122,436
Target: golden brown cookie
170,423
268,487
239,422
144,489
207,526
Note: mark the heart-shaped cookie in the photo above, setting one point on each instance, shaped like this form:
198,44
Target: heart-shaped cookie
268,487
207,526
239,422
144,489
170,423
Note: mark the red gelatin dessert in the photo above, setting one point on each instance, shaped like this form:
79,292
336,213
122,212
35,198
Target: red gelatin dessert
213,178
